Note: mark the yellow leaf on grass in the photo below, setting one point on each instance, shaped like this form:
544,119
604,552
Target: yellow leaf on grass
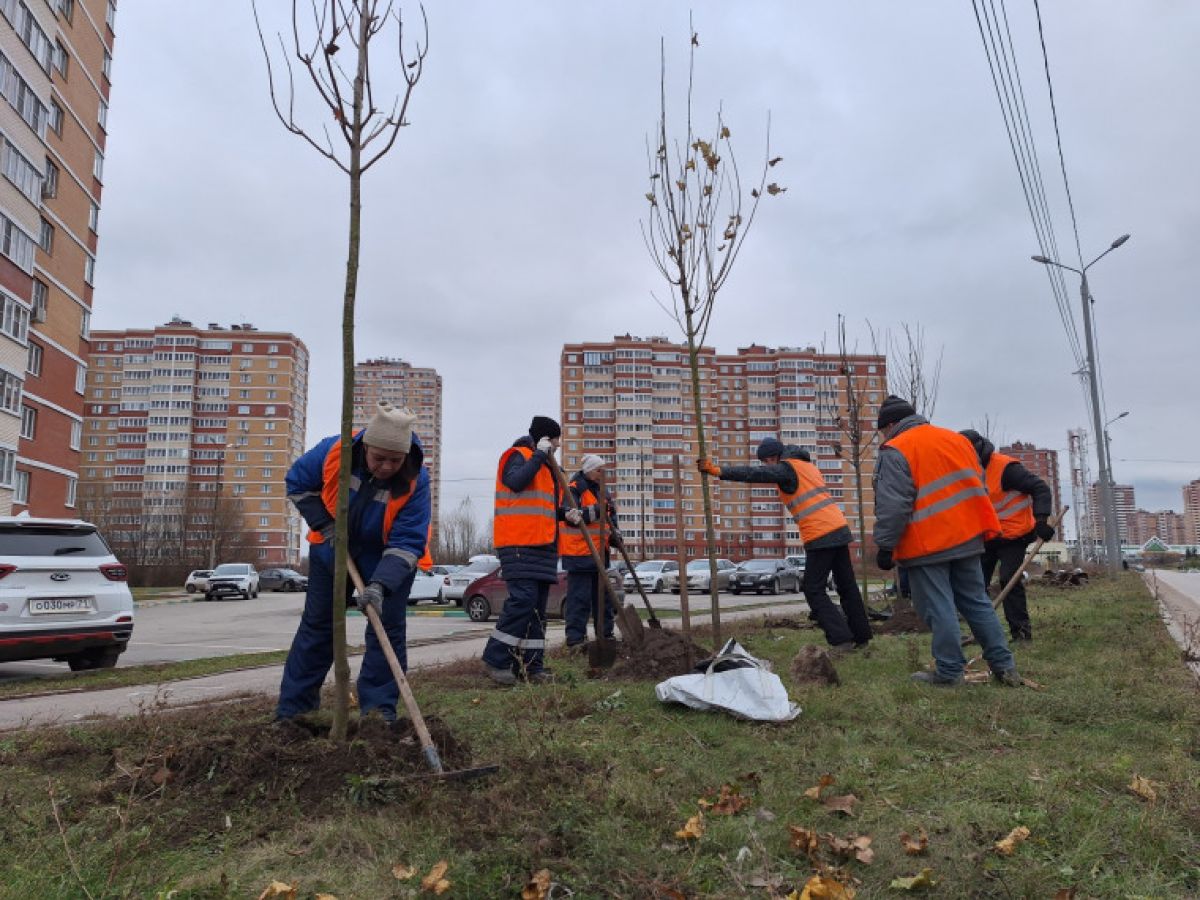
922,879
1144,788
402,872
538,886
1015,837
814,792
804,840
693,829
843,804
279,889
824,888
914,844
434,880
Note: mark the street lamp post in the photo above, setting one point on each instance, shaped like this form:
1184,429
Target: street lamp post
1112,538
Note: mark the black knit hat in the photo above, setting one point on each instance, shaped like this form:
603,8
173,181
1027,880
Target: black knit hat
770,447
544,427
893,410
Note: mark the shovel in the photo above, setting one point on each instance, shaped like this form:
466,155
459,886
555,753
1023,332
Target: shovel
654,623
410,702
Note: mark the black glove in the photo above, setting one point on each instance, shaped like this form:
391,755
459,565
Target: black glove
1043,529
615,540
326,531
372,596
883,559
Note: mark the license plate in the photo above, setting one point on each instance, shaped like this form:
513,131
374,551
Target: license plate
42,606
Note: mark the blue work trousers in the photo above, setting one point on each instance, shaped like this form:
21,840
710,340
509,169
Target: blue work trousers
519,639
311,656
584,595
943,591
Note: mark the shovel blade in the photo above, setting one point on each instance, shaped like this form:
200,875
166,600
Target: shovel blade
602,654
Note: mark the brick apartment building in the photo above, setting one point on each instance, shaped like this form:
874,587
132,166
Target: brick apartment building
55,58
1041,462
1165,524
188,435
630,401
420,389
1191,512
1125,503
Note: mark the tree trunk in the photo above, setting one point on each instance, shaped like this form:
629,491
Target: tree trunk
856,459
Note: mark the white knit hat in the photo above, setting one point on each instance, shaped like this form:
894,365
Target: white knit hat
391,428
591,463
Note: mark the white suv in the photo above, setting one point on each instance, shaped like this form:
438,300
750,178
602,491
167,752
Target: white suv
232,578
63,595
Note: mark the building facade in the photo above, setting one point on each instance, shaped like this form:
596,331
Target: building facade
1125,502
55,65
629,400
1041,462
1165,524
188,435
420,389
1191,512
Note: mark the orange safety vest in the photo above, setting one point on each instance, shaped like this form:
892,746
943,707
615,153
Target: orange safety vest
425,563
570,539
811,505
952,505
329,493
1014,509
525,518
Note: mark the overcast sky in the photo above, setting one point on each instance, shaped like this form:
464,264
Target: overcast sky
504,223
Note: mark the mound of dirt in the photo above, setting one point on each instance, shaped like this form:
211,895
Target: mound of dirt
813,665
787,622
662,655
904,620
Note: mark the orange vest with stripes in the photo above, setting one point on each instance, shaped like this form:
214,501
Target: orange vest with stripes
329,493
525,518
811,505
952,505
570,539
1014,509
425,563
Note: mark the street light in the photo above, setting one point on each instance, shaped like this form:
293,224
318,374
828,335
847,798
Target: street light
1108,451
1112,538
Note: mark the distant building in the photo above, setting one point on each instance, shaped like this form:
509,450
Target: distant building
403,384
1125,503
1165,524
1041,462
188,435
1191,512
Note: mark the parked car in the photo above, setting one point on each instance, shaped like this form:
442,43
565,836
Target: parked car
63,594
232,578
652,574
282,580
797,562
445,569
455,584
485,597
699,576
426,586
770,575
197,581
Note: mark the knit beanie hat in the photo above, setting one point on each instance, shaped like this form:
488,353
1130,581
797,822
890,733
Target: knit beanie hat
544,427
591,463
391,428
770,447
893,410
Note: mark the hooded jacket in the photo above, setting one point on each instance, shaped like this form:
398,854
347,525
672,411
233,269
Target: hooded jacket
537,563
1015,478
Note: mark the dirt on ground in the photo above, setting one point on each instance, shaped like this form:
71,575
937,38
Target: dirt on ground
904,620
663,654
813,665
788,622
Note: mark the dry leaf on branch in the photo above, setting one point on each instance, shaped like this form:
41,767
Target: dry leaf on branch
804,840
1144,788
279,889
822,887
693,829
914,844
814,792
774,189
538,886
402,872
843,803
1015,837
435,881
922,879
777,159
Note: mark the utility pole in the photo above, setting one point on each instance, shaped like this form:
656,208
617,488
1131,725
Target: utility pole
1112,534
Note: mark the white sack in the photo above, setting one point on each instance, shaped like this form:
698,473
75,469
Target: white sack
752,691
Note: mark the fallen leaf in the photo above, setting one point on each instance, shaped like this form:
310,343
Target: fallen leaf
434,880
402,872
814,792
475,700
1144,788
693,829
804,840
821,887
279,889
1015,837
914,845
862,850
858,846
1065,894
922,879
729,801
1030,683
659,772
843,804
538,886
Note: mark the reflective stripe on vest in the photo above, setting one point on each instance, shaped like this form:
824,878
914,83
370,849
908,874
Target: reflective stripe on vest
1014,509
952,505
329,492
570,538
525,518
811,506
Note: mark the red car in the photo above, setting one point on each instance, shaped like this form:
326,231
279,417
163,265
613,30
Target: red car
485,596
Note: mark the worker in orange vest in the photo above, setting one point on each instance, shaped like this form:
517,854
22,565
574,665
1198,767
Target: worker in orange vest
525,532
932,516
584,594
1023,503
824,531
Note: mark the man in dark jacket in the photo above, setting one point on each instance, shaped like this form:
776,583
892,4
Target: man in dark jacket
1023,503
585,594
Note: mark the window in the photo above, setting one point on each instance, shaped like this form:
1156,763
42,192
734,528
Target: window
98,166
102,115
76,434
10,393
14,318
16,244
8,467
273,348
94,218
50,181
46,237
107,65
40,294
80,378
89,272
22,172
66,8
110,14
28,422
72,486
34,364
55,117
264,521
21,487
61,58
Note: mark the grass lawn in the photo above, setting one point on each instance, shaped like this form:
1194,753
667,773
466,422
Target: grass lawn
598,777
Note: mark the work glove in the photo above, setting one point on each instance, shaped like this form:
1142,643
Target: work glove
545,446
574,517
705,465
372,596
1043,529
883,559
327,531
615,540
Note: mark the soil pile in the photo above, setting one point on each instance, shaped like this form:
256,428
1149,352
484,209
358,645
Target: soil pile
813,665
787,622
663,654
904,620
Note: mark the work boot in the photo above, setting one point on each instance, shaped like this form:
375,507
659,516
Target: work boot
839,650
1022,636
936,680
545,676
1007,677
500,676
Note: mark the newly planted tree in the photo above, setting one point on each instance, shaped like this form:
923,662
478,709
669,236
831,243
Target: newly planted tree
700,214
365,133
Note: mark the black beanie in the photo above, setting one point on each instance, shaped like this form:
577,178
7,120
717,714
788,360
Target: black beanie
770,447
893,410
544,427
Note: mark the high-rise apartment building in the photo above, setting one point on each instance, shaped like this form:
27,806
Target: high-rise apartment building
420,389
1125,503
1165,524
630,401
1191,512
188,435
55,58
1041,462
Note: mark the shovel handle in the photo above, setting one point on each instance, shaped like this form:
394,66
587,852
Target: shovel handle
1033,551
410,702
637,581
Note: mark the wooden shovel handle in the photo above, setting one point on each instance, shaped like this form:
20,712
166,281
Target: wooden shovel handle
1033,551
